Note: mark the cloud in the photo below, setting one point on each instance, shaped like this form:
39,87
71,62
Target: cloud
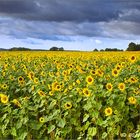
73,10
98,41
65,20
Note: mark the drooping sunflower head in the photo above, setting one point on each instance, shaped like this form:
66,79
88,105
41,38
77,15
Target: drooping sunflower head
31,75
41,93
132,100
133,80
16,102
108,111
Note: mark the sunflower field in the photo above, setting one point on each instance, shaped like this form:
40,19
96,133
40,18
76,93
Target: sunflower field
69,95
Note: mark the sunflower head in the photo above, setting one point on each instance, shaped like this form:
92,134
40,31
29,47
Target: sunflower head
4,86
132,100
109,86
68,105
20,79
41,119
4,98
41,93
108,111
115,72
121,86
132,59
16,102
86,92
89,80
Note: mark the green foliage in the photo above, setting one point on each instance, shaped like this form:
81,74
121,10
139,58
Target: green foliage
133,47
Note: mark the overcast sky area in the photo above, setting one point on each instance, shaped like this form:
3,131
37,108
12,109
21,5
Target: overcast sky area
71,24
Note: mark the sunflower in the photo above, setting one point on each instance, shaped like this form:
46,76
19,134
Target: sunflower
132,100
121,86
115,72
31,75
118,67
89,80
108,111
132,59
86,92
41,119
58,87
93,72
11,77
51,93
109,86
4,98
133,80
99,72
33,87
20,79
136,91
70,87
68,105
36,81
78,81
4,86
16,102
21,83
41,93
42,74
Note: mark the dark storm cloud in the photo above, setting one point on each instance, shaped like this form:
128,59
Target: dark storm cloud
51,19
63,10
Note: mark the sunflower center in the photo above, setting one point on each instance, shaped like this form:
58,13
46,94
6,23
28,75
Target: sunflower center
89,79
115,72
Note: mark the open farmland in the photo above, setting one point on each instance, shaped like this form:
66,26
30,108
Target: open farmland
69,95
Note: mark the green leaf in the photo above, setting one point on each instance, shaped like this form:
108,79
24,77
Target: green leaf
104,135
61,123
85,127
52,104
4,116
13,131
86,116
22,135
92,131
51,128
35,125
95,114
87,106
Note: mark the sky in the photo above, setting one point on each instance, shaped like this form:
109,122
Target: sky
71,24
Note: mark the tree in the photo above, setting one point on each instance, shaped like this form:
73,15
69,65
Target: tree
133,47
95,50
54,49
61,49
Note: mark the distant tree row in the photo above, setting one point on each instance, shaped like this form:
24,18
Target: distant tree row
133,47
108,49
19,49
56,49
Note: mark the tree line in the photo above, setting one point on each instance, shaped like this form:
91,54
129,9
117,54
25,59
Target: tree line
131,47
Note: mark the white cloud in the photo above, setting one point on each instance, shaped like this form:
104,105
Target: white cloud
98,41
